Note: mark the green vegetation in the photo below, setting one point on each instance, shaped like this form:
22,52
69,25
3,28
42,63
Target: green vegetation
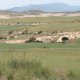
40,61
52,23
24,70
44,64
75,44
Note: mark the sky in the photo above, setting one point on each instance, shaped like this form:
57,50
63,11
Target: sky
6,4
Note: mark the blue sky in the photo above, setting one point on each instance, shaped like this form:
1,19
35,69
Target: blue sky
5,4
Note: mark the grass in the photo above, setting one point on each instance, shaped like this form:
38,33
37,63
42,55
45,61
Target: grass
24,70
53,63
41,61
40,45
54,23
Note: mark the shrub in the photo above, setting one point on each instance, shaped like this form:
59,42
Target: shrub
39,41
10,32
1,38
14,64
72,75
1,73
39,32
25,31
32,39
10,76
28,70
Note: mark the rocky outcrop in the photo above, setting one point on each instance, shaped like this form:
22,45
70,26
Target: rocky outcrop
14,41
58,37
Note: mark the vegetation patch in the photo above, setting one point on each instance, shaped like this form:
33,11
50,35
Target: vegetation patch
24,70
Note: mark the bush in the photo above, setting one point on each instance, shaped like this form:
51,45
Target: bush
32,39
27,70
39,32
10,32
10,76
3,38
38,41
72,75
25,32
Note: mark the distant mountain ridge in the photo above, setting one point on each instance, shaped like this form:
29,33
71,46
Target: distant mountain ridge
51,7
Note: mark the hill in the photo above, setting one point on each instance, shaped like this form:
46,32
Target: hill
51,7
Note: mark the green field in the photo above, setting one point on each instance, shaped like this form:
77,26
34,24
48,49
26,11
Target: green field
54,23
60,62
41,61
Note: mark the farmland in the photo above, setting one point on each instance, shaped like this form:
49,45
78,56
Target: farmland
40,61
